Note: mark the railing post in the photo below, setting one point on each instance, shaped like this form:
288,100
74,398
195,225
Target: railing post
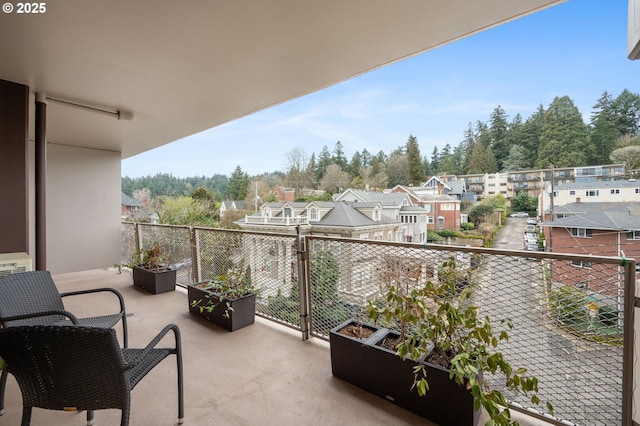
628,346
304,285
195,258
136,235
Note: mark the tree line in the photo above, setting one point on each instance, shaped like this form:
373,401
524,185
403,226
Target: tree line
555,135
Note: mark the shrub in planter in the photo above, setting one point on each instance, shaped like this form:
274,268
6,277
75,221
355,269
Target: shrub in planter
438,323
152,270
228,300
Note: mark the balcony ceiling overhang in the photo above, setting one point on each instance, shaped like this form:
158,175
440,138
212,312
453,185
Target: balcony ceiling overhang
181,67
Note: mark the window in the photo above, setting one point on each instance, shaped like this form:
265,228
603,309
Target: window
430,219
503,184
492,184
572,192
633,235
287,212
637,190
581,232
581,264
313,214
615,191
448,206
592,193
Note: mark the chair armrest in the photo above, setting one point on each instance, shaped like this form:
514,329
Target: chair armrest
97,290
69,315
155,341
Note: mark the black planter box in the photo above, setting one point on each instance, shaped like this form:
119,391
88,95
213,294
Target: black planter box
382,372
154,282
242,314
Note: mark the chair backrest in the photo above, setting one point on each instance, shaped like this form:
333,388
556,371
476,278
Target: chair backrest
66,367
29,293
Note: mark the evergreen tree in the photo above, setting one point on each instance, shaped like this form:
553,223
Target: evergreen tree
356,165
339,157
416,173
238,188
604,129
366,158
435,160
382,157
565,137
530,133
324,160
482,160
518,159
627,109
498,133
466,147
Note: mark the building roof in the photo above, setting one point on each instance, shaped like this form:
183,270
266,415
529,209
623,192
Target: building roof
346,216
609,216
128,201
385,198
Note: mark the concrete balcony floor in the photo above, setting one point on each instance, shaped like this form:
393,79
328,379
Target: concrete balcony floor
263,374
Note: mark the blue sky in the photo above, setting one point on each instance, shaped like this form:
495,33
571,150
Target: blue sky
577,49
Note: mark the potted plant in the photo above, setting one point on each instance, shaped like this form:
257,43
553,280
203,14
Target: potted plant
228,300
152,270
437,350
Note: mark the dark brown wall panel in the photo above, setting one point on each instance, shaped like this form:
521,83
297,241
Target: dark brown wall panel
14,167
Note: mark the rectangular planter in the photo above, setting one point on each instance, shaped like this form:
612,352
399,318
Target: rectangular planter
242,314
154,282
382,372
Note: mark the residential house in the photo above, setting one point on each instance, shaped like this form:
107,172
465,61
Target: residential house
440,211
233,205
364,220
129,207
284,194
598,229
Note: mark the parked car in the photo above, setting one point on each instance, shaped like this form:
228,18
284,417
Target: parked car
519,214
530,229
531,221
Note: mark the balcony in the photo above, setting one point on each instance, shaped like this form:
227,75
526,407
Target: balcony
269,374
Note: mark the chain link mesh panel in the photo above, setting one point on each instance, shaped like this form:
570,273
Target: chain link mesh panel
271,260
177,246
567,313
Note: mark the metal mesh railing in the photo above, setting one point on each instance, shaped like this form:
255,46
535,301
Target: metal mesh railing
271,260
567,311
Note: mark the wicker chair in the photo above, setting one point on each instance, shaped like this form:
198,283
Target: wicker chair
35,292
75,368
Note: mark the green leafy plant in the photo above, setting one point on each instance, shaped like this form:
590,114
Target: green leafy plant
236,283
438,323
154,258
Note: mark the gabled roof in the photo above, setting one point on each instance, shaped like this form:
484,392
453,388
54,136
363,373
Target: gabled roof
346,216
435,181
384,198
128,201
609,216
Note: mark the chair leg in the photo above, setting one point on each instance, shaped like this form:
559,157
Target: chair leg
180,379
125,331
90,414
124,418
3,387
26,415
